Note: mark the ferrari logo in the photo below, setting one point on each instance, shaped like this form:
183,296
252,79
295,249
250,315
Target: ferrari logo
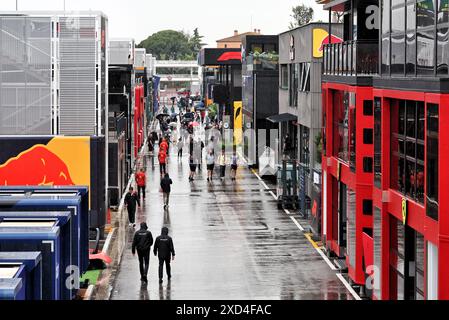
404,211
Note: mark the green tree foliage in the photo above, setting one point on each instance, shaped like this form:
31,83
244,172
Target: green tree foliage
173,45
301,15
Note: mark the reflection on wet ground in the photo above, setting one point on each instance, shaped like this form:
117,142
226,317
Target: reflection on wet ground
231,242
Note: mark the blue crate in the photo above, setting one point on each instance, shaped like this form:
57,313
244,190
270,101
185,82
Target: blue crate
41,239
33,266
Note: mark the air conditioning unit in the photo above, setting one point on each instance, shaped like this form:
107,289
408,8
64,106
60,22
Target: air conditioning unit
54,73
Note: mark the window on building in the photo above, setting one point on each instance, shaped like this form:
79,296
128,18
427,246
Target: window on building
377,142
377,237
442,51
351,227
407,148
426,51
305,146
425,13
304,77
341,125
352,132
294,82
419,263
443,11
385,38
284,76
432,160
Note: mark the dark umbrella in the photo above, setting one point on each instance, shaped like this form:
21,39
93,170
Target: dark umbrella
162,115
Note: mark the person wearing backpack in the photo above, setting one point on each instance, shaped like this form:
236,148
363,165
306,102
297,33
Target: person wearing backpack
143,240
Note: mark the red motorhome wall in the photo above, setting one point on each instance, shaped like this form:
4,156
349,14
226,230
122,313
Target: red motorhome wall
139,111
389,201
359,181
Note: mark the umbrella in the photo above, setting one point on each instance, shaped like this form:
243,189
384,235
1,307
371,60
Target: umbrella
162,115
194,124
173,124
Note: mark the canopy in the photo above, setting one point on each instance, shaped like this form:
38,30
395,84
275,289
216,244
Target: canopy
284,117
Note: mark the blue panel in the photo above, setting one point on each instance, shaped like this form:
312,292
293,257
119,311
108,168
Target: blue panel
33,267
44,240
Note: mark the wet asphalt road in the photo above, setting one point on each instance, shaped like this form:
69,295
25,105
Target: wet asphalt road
231,242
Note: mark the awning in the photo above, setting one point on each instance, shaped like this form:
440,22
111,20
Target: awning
284,117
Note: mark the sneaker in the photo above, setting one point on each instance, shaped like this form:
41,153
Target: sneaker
161,281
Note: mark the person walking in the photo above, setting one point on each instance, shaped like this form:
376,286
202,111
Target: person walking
163,146
131,203
166,183
222,164
180,147
141,180
210,161
164,249
234,166
143,240
192,165
162,157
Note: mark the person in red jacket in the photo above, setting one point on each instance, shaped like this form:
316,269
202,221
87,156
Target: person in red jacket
163,146
162,162
141,180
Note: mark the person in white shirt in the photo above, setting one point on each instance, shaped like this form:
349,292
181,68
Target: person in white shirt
210,161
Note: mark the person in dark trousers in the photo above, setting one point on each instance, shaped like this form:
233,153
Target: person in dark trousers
143,240
164,249
131,203
166,189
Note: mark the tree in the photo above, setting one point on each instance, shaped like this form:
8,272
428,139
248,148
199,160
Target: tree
196,41
302,15
173,45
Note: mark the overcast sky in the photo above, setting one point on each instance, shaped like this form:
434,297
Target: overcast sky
215,19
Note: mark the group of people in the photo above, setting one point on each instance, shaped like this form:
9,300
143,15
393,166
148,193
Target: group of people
163,246
163,249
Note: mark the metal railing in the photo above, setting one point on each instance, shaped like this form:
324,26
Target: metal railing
351,58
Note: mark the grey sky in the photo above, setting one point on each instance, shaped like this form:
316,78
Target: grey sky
215,19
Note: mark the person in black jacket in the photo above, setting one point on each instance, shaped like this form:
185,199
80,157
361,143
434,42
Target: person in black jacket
164,249
131,202
143,240
166,189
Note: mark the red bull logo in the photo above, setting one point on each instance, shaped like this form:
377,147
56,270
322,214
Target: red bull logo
321,38
37,166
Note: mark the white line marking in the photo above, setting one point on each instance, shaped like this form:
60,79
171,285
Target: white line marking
325,258
108,241
258,177
348,286
274,196
265,185
287,212
297,223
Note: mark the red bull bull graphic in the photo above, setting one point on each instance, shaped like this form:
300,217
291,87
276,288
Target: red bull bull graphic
321,38
37,166
45,161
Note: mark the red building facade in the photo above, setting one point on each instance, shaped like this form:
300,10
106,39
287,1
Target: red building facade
385,93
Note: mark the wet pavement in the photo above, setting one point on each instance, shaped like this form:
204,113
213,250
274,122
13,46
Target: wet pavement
231,242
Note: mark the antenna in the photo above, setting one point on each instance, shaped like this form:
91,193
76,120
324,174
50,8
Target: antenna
17,5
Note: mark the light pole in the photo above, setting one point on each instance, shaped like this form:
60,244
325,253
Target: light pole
17,5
